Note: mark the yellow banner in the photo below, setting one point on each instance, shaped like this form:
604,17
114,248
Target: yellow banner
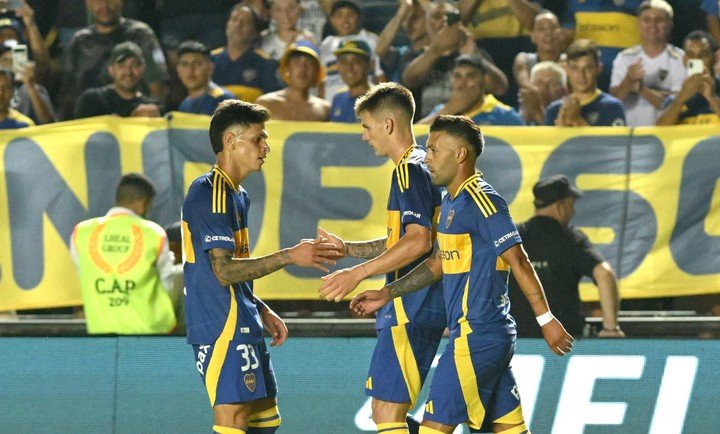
651,202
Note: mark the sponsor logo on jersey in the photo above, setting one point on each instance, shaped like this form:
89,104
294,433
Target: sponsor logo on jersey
209,238
411,213
505,238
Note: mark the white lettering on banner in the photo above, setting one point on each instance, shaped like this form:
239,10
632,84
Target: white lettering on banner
674,395
209,238
575,407
505,238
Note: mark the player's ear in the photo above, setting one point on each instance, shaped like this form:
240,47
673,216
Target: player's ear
228,140
389,125
461,154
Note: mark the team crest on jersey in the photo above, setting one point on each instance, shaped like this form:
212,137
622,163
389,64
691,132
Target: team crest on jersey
249,75
449,219
250,382
593,117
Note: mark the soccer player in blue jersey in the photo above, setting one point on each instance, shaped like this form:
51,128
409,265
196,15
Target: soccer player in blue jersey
409,330
477,246
224,318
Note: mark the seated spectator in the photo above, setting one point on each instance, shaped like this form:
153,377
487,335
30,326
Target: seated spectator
345,19
300,68
10,118
645,74
125,266
549,41
194,69
698,101
586,105
548,82
283,30
410,18
245,71
122,97
88,54
354,61
30,98
468,97
429,73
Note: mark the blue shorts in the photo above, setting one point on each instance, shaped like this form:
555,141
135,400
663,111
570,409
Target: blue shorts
401,361
235,372
473,383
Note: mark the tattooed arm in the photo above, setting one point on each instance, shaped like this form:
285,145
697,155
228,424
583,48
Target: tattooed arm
416,242
365,249
308,253
428,272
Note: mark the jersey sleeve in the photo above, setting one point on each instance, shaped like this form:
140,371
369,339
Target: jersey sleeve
619,70
415,196
552,111
613,114
498,224
588,256
215,220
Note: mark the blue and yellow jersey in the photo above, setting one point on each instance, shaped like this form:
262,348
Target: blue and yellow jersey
602,109
474,229
343,108
697,110
413,200
214,215
15,120
493,112
206,103
252,74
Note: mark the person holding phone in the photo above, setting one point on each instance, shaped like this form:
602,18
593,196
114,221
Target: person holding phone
698,101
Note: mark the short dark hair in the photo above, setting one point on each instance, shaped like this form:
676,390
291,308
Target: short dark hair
134,187
390,96
339,4
461,127
699,35
471,62
234,112
581,48
193,47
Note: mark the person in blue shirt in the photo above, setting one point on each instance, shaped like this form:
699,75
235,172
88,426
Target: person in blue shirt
243,69
468,96
194,68
409,330
224,318
354,63
586,105
477,246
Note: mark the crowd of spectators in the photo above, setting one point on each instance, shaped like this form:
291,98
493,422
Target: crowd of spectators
502,62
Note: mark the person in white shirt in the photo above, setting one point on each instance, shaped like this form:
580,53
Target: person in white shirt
284,14
643,75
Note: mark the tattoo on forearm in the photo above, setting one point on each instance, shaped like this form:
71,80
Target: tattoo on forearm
418,278
366,249
231,270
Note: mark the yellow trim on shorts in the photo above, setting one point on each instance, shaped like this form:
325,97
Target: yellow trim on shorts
513,417
468,382
407,361
220,349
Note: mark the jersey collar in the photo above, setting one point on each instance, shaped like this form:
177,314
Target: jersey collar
406,155
223,175
477,176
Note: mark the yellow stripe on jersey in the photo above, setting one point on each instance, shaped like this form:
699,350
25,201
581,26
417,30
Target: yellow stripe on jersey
400,314
455,252
407,361
242,243
188,251
481,199
220,349
465,328
468,383
501,265
368,383
512,418
393,228
429,407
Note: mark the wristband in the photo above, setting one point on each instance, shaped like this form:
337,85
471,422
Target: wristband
544,318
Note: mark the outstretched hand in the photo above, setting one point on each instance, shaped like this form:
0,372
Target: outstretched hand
370,301
559,340
315,253
340,283
334,240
